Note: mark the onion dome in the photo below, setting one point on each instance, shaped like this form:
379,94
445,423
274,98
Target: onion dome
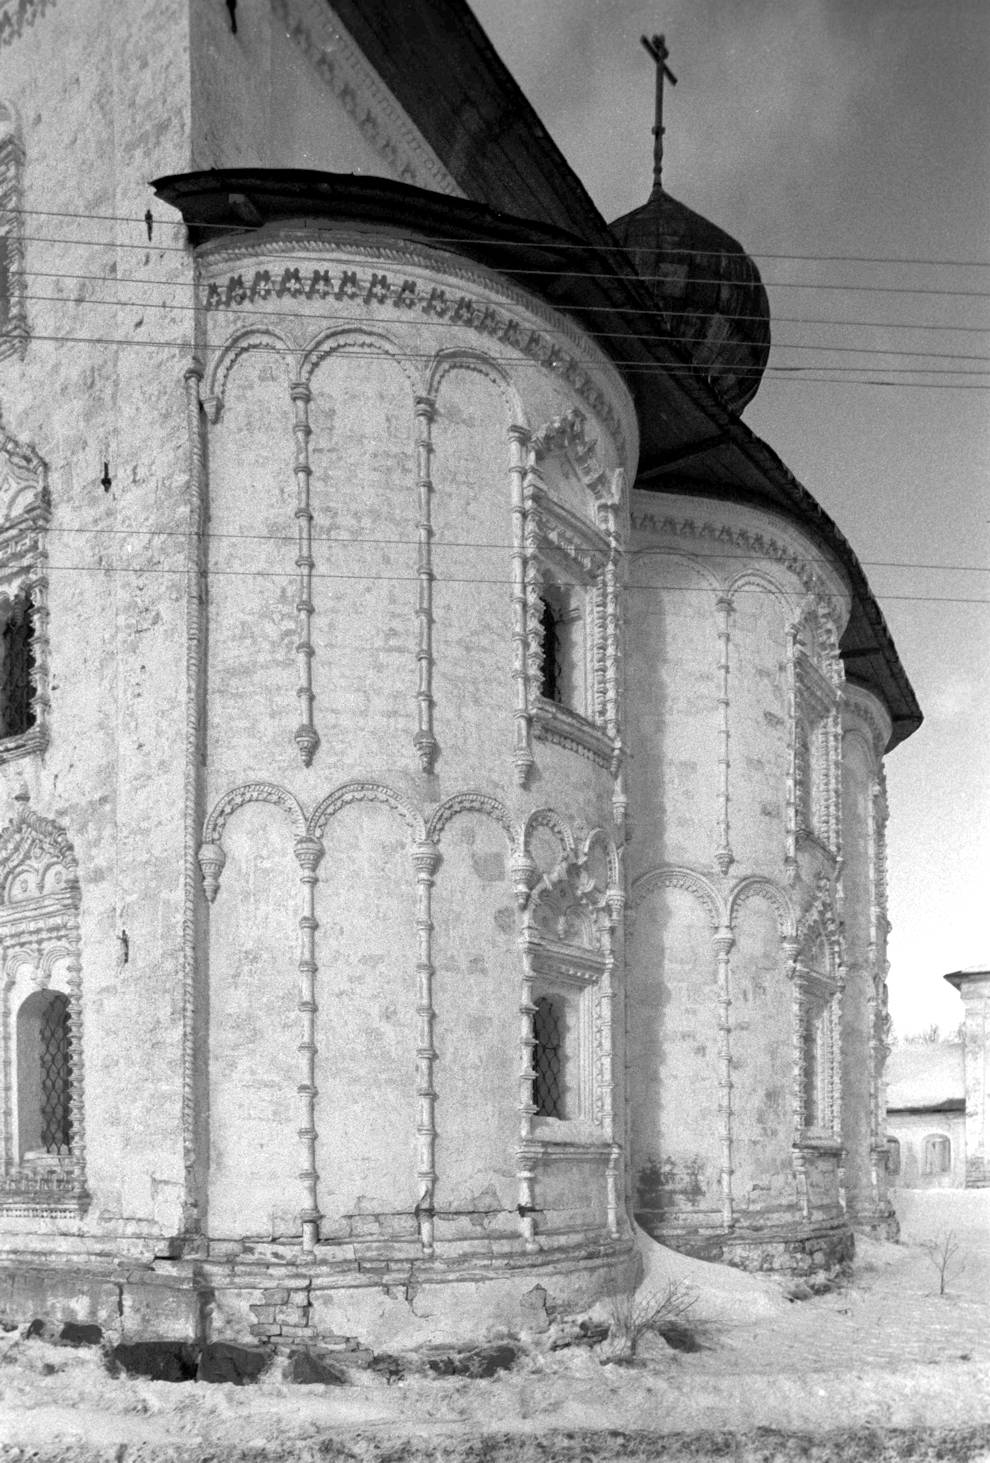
707,286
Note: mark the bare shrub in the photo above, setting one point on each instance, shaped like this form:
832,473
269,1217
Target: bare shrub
945,1253
663,1312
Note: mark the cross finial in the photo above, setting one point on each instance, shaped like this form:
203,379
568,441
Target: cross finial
657,47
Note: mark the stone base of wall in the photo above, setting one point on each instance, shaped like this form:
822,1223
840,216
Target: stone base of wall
294,1301
795,1249
880,1224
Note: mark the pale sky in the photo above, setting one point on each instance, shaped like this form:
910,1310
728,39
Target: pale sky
824,128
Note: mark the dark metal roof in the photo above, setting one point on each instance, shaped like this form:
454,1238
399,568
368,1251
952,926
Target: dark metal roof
690,440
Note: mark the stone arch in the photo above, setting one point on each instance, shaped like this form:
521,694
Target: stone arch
358,792
613,856
252,792
566,435
758,579
465,358
211,854
757,887
39,931
674,877
251,338
821,917
693,562
550,819
471,802
349,337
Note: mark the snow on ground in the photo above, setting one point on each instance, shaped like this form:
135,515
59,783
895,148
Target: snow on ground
883,1367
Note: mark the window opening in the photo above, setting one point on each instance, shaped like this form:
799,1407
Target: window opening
893,1157
550,668
16,664
44,1074
938,1154
814,1068
548,1081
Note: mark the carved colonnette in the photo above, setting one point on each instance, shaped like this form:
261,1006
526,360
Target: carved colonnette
13,308
567,919
25,513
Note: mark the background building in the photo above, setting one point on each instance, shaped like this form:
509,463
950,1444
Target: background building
937,1100
444,807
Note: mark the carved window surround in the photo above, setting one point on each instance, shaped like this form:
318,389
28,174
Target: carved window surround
24,516
814,787
562,549
40,949
13,312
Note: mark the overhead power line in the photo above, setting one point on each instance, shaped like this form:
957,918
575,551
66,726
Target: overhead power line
440,580
456,325
657,312
377,540
840,374
140,221
526,272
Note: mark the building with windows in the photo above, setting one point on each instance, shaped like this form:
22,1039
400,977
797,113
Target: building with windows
938,1097
442,747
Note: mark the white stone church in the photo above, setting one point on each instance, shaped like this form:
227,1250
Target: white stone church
441,747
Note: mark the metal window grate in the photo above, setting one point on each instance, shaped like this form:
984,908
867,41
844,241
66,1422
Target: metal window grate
551,678
548,1083
16,684
55,1056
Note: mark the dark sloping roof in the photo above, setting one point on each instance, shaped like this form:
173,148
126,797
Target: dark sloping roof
926,1076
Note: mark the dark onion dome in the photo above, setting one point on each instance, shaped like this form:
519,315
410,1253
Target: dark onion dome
707,286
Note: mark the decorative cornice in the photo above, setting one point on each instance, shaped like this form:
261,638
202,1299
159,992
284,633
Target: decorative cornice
336,59
735,540
359,284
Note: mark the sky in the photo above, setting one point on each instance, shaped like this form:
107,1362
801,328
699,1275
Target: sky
860,129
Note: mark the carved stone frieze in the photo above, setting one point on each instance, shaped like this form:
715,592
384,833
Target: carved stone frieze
399,282
39,933
25,510
333,55
13,310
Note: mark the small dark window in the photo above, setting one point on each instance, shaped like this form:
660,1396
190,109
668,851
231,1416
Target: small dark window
16,665
893,1157
44,1074
550,670
548,1059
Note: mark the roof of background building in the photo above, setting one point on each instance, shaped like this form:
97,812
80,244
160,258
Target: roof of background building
926,1076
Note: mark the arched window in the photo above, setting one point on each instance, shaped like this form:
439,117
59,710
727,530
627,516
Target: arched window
44,1076
42,1159
937,1154
893,1157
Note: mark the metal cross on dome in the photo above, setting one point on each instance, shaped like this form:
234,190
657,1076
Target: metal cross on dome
657,47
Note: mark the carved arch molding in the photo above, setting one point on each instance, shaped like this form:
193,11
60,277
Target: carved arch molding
567,884
40,952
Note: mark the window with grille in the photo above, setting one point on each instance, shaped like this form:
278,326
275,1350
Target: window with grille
548,1058
938,1154
562,658
550,677
16,666
44,1071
